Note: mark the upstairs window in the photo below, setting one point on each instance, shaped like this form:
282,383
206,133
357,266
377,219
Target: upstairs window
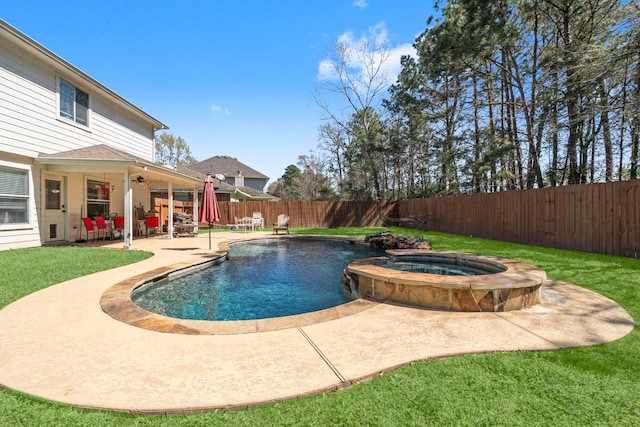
74,103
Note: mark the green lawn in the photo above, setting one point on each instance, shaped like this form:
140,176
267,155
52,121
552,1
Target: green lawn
597,385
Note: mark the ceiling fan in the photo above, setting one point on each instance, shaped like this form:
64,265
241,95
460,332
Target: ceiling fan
142,180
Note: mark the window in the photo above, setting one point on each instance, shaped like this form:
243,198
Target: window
14,196
52,194
74,103
98,198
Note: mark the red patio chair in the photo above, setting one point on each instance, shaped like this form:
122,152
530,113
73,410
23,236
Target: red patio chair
102,226
118,224
88,225
151,222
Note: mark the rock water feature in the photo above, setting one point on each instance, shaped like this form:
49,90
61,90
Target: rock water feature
414,274
389,240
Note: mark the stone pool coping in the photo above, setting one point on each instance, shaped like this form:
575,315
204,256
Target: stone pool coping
515,287
516,274
58,344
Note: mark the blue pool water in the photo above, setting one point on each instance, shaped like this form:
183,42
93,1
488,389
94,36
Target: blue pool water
441,267
261,279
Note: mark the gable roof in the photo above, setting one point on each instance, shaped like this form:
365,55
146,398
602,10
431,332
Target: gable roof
94,152
103,154
228,166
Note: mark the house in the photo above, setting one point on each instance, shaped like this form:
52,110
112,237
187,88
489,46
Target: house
234,181
70,147
230,182
236,174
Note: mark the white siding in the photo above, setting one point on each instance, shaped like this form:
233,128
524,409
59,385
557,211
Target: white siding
30,125
29,122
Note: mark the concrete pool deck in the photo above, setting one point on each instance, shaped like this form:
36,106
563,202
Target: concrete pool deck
58,344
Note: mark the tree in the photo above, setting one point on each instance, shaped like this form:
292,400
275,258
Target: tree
366,156
334,140
519,94
286,186
313,184
502,95
356,74
276,188
308,183
173,151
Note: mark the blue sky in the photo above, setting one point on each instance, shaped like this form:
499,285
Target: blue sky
232,78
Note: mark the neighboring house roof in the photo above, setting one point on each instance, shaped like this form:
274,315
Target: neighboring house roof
102,154
251,193
223,187
48,56
188,170
228,166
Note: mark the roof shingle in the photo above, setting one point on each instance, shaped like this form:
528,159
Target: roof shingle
95,152
228,166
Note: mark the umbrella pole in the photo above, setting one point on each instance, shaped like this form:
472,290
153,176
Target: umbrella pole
209,236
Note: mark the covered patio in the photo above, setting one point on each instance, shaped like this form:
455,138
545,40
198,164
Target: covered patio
103,181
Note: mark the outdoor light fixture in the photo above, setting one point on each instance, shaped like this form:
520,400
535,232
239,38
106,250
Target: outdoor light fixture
140,179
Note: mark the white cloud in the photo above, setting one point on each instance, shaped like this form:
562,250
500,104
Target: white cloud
393,66
376,42
219,109
326,70
362,4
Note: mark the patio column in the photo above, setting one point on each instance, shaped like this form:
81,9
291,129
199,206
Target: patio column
128,211
196,208
170,220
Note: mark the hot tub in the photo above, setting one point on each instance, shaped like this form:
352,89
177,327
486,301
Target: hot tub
446,281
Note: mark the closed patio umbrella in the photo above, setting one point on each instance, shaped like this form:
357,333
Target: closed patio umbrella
208,211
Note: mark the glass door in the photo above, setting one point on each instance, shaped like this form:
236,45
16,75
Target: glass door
54,210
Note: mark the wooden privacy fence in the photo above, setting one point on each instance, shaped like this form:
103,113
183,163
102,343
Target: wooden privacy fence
162,207
302,214
599,218
307,214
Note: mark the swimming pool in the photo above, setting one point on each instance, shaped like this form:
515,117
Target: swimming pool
261,279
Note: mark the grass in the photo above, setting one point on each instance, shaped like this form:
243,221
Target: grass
598,385
28,270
